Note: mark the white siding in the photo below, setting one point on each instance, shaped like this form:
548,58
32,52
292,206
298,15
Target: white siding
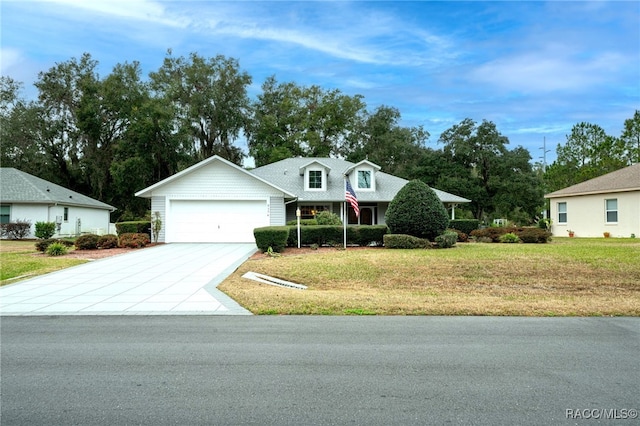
277,215
587,218
95,221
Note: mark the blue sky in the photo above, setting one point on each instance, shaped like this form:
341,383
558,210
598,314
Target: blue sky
533,68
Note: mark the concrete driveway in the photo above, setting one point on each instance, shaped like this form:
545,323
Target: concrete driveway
170,279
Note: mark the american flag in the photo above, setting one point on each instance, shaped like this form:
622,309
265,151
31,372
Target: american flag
350,195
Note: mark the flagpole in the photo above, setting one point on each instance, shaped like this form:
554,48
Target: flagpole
345,213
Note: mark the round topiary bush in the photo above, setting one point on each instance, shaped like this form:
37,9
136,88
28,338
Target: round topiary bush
328,218
416,210
87,242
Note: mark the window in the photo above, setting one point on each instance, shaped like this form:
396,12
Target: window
309,212
315,179
66,214
364,179
611,208
562,212
5,214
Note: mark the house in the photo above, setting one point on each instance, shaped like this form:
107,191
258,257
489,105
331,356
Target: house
218,201
608,203
27,197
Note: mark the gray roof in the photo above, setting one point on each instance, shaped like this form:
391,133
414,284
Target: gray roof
286,174
21,187
627,179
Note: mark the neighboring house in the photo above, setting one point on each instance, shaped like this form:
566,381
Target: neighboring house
27,197
608,203
218,201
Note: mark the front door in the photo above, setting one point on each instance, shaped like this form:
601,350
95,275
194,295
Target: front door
366,216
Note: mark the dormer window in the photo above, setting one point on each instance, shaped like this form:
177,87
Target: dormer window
315,179
364,179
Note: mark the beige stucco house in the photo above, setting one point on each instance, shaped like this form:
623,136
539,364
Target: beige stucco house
608,203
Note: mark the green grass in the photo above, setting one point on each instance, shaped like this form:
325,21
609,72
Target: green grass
20,259
567,277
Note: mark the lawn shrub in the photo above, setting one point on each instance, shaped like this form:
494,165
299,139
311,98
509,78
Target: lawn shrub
87,242
533,235
328,218
462,237
509,237
447,239
404,241
416,210
528,234
45,230
108,241
367,235
17,230
274,237
42,245
133,240
134,227
464,225
57,249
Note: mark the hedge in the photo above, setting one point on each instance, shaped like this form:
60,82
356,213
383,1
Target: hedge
404,241
271,236
134,227
362,235
87,242
464,225
527,234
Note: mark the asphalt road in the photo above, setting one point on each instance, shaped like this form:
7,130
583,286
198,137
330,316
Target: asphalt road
319,370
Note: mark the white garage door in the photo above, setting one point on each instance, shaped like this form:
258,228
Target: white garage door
215,221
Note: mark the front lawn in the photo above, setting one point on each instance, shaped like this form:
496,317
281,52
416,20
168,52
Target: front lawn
20,259
567,277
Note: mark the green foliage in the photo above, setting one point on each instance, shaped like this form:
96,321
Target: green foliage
328,218
321,235
134,227
57,249
544,224
509,237
271,237
403,241
528,234
447,239
42,245
45,230
416,210
303,222
108,241
366,235
16,230
464,225
87,242
133,240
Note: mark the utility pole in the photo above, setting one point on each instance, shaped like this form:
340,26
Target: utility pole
544,154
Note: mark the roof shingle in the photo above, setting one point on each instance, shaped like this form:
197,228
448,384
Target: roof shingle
627,179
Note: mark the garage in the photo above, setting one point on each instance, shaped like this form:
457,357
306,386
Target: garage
219,221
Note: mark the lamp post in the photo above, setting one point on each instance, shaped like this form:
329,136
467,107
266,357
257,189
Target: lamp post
298,218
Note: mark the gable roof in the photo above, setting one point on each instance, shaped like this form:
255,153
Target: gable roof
146,192
284,173
20,187
623,180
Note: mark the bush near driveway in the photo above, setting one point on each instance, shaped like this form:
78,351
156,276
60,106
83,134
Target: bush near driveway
87,242
133,240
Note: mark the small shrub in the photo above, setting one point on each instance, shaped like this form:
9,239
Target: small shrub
45,230
462,237
156,226
367,235
16,230
56,249
403,241
509,238
464,225
544,224
328,218
274,237
303,222
87,242
42,245
447,239
133,240
108,241
533,235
